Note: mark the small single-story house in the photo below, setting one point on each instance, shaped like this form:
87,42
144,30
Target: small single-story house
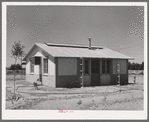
60,65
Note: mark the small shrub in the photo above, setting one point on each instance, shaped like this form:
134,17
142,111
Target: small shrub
79,102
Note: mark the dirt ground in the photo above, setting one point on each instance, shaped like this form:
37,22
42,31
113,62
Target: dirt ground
115,97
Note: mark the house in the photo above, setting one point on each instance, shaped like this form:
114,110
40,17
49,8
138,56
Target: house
60,65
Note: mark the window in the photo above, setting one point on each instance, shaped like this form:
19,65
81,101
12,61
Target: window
105,66
31,66
45,65
86,67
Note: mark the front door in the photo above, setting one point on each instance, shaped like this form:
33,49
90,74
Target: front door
38,67
95,75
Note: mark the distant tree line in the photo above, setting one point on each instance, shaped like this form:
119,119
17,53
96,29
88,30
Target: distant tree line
15,67
136,66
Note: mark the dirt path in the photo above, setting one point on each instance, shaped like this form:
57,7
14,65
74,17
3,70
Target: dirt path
128,97
119,101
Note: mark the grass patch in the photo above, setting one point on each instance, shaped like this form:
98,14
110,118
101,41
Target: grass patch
17,77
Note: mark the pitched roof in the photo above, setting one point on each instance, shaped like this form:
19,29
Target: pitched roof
61,50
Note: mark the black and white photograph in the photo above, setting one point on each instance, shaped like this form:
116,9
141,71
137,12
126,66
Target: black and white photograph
83,60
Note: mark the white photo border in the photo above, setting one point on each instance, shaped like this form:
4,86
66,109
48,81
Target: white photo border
77,114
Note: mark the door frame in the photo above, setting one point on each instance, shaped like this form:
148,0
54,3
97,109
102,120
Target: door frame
40,68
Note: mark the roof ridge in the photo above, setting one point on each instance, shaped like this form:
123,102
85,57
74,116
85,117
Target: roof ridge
69,45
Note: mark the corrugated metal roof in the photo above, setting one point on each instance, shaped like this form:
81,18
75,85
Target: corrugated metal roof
69,51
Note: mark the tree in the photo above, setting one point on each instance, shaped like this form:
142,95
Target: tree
129,65
135,66
17,51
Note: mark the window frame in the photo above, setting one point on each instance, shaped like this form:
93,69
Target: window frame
106,66
31,66
45,68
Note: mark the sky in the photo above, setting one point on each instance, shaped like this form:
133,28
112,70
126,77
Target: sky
120,28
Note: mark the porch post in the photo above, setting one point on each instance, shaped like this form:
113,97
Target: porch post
82,71
41,70
118,70
90,73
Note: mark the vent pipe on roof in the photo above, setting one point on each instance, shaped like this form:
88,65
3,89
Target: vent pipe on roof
89,43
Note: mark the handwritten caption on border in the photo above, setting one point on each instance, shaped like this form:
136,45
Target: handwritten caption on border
65,111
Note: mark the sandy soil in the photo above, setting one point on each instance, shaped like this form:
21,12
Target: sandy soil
128,97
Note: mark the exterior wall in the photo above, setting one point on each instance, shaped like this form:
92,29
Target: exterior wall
114,73
123,79
65,79
105,79
28,71
36,72
31,77
123,66
123,71
28,68
47,79
50,78
114,63
67,66
86,80
113,79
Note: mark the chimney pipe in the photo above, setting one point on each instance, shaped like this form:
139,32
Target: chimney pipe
89,43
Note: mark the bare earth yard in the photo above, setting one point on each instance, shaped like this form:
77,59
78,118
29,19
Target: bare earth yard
115,97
